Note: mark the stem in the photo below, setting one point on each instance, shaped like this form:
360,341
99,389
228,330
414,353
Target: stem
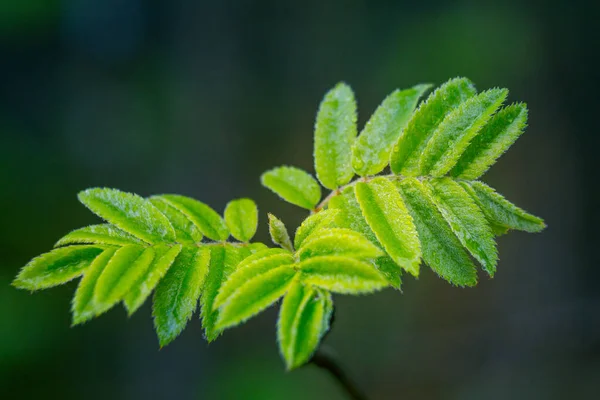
324,358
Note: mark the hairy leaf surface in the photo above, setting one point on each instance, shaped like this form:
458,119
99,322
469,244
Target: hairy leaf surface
83,306
335,132
501,131
390,270
129,212
254,296
164,256
241,217
342,274
350,215
99,234
386,214
303,320
338,242
455,132
207,220
176,296
125,267
293,185
56,267
279,233
467,221
441,249
313,224
254,265
185,230
409,147
371,151
500,211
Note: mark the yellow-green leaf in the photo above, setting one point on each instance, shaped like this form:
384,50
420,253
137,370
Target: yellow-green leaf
409,147
185,230
293,185
176,296
371,151
314,223
456,131
279,233
99,234
441,249
342,274
335,132
207,220
129,212
386,214
338,242
56,267
241,217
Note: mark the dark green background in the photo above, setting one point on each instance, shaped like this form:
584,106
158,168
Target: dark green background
199,98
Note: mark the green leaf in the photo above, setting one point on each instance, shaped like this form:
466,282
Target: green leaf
99,234
129,212
83,307
338,242
350,215
241,217
456,131
342,275
335,131
176,296
293,185
386,214
409,147
223,261
502,130
501,212
185,230
123,270
258,293
205,218
164,256
441,249
279,233
314,223
467,221
371,151
56,267
390,270
256,264
303,320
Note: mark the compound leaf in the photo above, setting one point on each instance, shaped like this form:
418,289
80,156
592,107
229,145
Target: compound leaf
409,147
303,320
205,218
441,249
56,267
164,256
501,212
99,234
123,270
185,230
314,223
342,274
455,132
129,212
293,185
83,306
467,221
501,131
335,132
241,217
371,151
256,264
255,295
176,296
279,233
386,214
338,242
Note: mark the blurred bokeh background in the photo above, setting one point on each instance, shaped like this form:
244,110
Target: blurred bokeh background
199,98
